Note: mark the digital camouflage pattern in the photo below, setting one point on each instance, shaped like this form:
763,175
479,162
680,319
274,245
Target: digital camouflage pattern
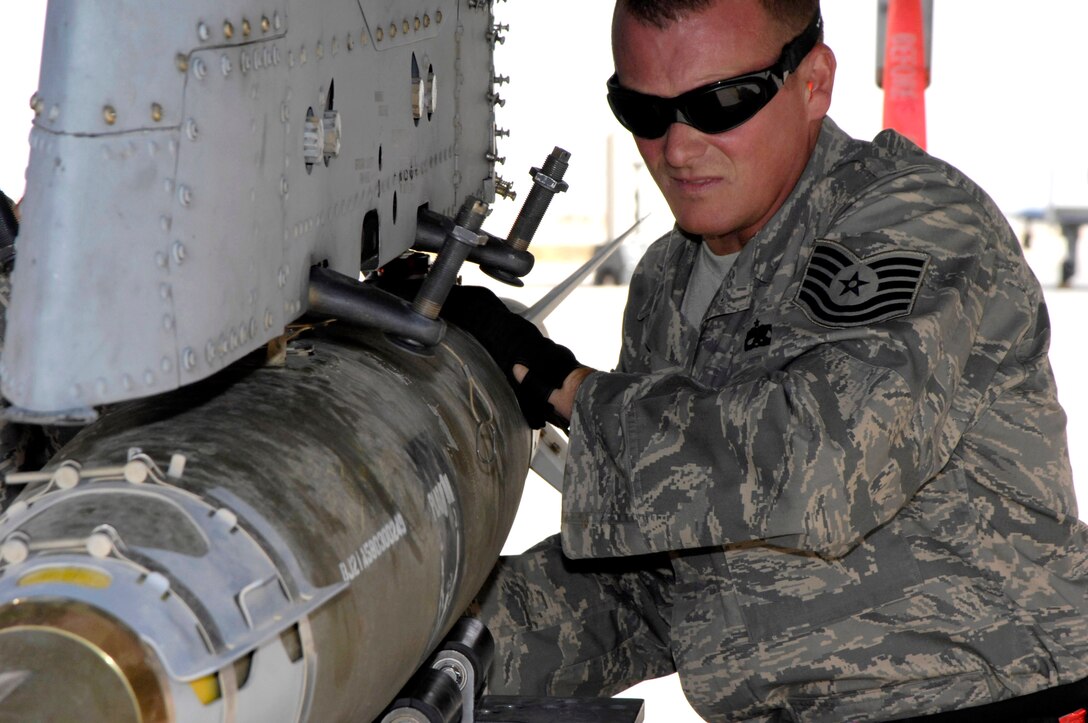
856,471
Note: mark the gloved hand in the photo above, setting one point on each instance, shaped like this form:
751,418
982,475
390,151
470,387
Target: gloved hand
510,339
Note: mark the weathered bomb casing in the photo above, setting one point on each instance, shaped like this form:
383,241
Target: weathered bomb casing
332,520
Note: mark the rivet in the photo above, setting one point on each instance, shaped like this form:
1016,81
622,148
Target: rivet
233,343
164,291
283,185
149,378
393,30
225,65
268,320
200,69
438,17
246,28
54,112
167,365
136,471
181,61
185,195
380,34
160,260
14,550
406,27
202,31
165,222
156,112
36,103
350,42
67,475
426,21
100,387
265,25
320,51
127,383
335,46
228,30
302,55
290,58
109,114
178,252
188,358
99,545
168,322
285,112
362,37
252,328
277,22
417,23
209,352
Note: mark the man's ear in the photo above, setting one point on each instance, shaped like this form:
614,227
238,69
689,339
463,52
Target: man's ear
818,72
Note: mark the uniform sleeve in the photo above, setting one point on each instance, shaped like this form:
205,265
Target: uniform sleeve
817,451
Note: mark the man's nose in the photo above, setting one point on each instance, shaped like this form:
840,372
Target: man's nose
683,144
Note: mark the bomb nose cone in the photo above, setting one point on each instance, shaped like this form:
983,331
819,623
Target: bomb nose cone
68,662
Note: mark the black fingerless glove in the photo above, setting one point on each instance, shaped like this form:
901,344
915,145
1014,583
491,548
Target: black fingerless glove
510,339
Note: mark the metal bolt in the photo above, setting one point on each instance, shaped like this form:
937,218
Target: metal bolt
202,31
109,114
228,30
320,51
265,24
181,61
246,28
156,112
276,21
393,30
200,69
178,252
168,322
192,131
406,27
380,34
185,196
188,358
426,21
438,17
350,41
225,65
417,23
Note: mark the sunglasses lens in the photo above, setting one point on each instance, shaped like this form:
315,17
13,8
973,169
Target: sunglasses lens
717,110
713,109
642,115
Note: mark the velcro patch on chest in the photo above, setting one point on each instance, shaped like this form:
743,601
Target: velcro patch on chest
840,290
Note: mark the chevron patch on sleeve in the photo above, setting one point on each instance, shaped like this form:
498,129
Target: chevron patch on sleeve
840,290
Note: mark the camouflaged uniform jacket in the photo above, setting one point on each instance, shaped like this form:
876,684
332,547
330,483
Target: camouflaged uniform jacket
858,461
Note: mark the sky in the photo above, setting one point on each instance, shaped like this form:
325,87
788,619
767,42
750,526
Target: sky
1008,104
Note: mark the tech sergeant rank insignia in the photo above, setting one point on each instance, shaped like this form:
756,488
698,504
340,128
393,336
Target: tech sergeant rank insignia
840,290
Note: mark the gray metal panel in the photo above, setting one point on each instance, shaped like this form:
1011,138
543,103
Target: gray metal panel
171,218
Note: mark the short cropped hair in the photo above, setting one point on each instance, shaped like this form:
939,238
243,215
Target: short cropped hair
793,15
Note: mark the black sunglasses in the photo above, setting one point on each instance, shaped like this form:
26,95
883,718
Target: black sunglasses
716,107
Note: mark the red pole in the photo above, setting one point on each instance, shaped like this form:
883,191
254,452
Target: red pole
904,71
